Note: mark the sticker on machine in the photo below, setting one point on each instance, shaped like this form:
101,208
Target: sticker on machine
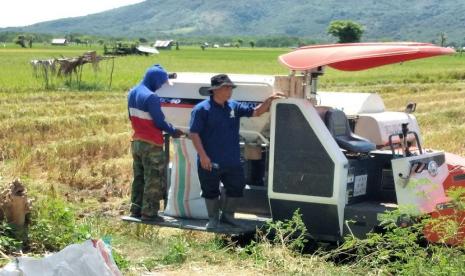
360,185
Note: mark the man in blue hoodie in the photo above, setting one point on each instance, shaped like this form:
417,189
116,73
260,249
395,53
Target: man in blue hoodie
148,123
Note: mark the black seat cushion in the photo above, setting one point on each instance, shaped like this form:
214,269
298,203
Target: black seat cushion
338,125
355,145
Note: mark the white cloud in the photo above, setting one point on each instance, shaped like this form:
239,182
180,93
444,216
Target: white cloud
27,12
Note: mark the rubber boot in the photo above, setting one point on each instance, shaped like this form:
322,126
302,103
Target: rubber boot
213,210
227,212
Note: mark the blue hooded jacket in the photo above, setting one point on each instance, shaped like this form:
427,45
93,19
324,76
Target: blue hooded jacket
155,77
144,107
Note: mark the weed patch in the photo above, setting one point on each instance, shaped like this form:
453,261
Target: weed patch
404,250
54,225
178,250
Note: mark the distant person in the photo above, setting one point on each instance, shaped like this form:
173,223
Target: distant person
148,122
214,129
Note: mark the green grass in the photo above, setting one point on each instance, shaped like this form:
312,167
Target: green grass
78,141
16,72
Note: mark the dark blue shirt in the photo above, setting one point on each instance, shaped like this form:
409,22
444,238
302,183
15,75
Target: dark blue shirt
218,128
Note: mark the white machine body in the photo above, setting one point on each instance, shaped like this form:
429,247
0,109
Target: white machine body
368,110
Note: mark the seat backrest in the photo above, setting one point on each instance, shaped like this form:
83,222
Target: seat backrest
337,123
321,110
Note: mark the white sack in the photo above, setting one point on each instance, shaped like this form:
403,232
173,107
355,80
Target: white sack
184,194
90,258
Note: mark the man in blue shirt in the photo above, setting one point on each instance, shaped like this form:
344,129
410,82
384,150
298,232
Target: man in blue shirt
214,130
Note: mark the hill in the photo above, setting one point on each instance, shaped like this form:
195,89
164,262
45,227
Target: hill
383,20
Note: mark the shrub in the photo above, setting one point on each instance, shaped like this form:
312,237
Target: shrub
404,250
177,251
280,246
54,226
8,243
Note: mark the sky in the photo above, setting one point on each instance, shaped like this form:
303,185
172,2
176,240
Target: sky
15,13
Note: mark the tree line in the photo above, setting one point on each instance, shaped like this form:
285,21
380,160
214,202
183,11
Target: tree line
344,31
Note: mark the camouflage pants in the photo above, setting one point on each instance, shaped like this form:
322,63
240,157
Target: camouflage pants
149,178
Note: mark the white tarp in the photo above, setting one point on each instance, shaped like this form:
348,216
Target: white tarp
148,50
162,43
59,41
89,258
184,198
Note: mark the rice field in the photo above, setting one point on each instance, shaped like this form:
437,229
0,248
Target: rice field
79,140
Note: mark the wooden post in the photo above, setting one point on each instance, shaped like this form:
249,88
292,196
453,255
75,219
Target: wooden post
80,76
14,207
111,73
291,86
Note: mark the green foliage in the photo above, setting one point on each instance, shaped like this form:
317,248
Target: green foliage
442,38
21,41
403,249
291,234
288,235
8,242
177,251
280,249
346,31
54,225
122,262
217,243
170,251
457,196
255,252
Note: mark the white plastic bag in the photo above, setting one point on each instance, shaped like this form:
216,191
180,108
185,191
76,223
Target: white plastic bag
90,258
184,198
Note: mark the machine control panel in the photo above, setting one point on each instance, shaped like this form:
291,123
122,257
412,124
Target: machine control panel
357,181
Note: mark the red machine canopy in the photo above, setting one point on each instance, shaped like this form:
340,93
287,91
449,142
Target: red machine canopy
359,56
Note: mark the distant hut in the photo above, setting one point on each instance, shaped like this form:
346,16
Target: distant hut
59,42
164,44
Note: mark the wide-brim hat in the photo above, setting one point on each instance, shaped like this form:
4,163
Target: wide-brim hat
220,80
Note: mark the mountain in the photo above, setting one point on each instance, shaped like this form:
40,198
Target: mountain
419,20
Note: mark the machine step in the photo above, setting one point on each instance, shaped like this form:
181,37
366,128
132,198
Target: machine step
199,224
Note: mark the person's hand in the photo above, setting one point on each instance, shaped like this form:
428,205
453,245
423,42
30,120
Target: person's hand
178,133
206,163
276,95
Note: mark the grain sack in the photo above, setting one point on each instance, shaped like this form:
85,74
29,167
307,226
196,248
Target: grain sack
184,192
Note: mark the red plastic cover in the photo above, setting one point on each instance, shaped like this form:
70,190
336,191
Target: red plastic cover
359,56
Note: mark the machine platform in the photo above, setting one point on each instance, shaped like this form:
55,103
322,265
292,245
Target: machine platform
199,224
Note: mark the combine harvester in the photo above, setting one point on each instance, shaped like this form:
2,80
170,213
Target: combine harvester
340,158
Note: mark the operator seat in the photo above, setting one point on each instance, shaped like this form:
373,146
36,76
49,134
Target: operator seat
338,125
